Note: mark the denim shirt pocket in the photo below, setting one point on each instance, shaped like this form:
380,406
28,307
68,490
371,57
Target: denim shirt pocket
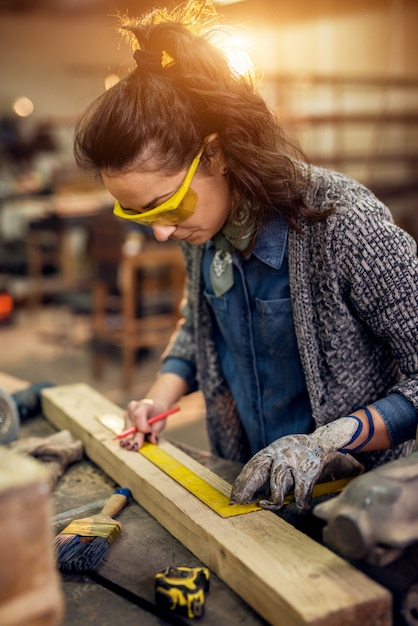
273,324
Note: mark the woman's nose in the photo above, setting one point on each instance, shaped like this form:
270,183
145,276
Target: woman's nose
162,233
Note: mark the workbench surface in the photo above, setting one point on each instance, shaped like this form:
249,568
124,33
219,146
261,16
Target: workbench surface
122,588
143,549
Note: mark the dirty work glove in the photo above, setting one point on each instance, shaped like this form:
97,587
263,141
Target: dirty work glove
299,461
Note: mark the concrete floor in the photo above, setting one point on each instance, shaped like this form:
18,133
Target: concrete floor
51,343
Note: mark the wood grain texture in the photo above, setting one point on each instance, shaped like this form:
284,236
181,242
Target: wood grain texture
288,578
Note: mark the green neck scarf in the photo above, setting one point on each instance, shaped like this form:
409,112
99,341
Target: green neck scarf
221,270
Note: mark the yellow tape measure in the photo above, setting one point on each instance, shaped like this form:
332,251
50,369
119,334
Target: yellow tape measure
195,484
198,486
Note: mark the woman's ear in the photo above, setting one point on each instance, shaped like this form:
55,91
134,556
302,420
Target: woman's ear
214,157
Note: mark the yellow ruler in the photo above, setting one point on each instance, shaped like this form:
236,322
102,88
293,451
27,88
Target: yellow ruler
195,484
198,486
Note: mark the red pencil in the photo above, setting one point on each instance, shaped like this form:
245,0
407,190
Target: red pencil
153,420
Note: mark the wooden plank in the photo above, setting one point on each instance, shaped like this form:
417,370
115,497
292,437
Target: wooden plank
30,590
288,578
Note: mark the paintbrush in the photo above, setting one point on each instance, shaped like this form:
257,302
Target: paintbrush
83,543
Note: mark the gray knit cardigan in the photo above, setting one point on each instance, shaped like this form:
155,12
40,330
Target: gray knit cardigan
354,292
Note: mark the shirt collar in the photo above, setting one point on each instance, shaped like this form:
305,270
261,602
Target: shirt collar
271,243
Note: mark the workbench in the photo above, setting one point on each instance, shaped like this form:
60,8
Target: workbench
122,588
143,549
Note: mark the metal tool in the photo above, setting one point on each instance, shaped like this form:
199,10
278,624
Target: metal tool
375,523
18,406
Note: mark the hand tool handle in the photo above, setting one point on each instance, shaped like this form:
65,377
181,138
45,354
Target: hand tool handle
116,502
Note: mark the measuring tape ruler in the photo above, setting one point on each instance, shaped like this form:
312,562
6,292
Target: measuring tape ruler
214,496
195,484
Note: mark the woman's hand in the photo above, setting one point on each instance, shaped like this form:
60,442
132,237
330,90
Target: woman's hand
297,462
167,390
137,415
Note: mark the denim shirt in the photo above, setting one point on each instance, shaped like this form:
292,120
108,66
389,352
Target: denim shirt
258,351
256,343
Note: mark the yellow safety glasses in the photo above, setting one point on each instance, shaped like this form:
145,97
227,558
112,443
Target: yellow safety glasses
176,209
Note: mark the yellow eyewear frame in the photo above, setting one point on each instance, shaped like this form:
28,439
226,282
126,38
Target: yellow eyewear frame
176,209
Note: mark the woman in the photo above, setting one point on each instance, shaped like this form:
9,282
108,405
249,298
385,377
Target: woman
300,325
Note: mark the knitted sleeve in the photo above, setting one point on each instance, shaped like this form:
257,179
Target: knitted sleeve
382,274
377,266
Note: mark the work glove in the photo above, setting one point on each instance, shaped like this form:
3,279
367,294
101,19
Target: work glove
299,462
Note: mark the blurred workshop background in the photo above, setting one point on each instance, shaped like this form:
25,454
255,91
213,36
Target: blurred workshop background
83,298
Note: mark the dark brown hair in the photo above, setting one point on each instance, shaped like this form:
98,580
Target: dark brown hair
173,109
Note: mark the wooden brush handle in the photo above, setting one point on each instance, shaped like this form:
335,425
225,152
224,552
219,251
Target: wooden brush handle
115,503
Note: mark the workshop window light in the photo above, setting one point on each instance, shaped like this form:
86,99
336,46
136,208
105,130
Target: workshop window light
239,58
239,52
23,107
111,80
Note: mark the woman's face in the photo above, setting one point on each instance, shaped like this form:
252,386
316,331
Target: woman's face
141,191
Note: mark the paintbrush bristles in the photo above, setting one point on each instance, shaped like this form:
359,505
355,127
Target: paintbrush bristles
79,554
